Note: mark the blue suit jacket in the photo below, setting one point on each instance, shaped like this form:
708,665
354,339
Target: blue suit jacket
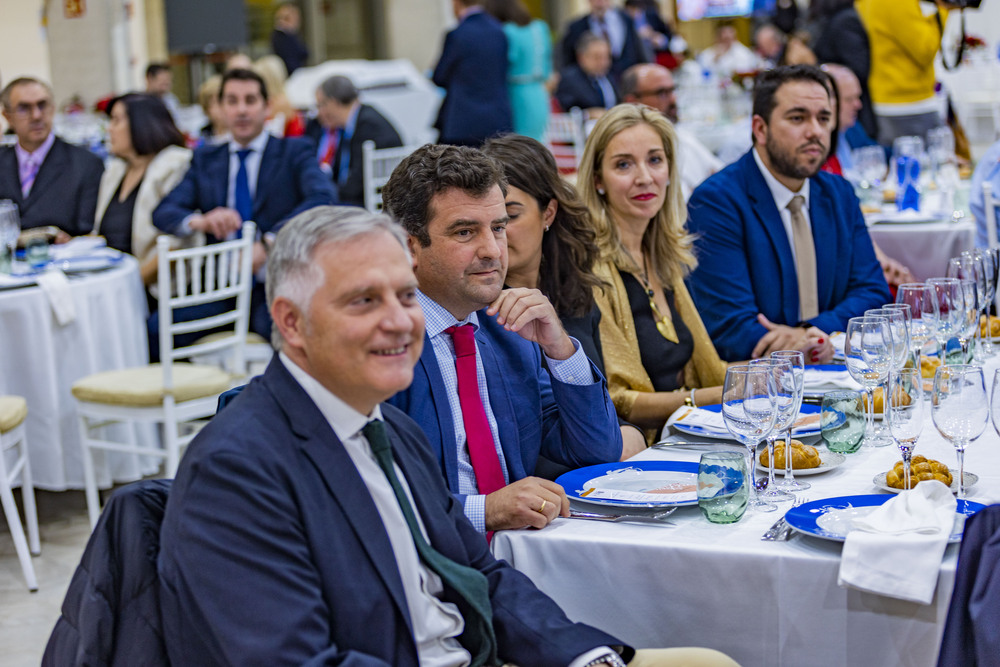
745,263
273,552
576,89
289,182
473,71
570,424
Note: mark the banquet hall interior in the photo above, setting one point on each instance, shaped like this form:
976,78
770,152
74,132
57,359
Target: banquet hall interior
320,57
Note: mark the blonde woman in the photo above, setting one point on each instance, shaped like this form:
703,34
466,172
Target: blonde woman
657,353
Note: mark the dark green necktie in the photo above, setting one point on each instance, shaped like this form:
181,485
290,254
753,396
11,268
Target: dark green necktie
478,637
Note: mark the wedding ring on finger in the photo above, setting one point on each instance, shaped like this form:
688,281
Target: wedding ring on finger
541,510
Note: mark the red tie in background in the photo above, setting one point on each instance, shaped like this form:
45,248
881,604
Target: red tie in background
482,450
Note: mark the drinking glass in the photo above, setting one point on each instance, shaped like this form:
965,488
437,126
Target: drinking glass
914,295
986,282
949,310
748,408
969,266
868,353
786,413
904,410
906,155
959,409
995,401
899,350
10,229
842,420
798,361
907,324
723,490
869,162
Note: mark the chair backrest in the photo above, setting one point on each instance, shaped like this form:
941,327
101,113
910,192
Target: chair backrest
377,165
990,208
565,137
213,283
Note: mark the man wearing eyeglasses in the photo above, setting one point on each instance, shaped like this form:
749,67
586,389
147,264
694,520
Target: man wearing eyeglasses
50,181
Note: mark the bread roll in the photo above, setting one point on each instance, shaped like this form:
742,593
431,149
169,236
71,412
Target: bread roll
921,470
803,456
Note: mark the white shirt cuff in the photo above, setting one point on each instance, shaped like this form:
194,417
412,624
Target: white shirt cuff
573,370
591,655
475,511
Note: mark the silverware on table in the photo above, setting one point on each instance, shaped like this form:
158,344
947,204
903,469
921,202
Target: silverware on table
781,531
657,517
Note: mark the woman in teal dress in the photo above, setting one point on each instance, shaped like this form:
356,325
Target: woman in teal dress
529,65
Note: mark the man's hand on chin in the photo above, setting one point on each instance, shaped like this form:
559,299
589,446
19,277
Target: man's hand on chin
531,315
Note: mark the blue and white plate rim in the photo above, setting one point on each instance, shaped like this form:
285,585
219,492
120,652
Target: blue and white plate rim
694,429
574,480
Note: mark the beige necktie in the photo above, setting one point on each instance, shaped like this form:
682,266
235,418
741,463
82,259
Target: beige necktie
805,260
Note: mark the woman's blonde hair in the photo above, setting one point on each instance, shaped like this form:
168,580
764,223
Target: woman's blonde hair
666,241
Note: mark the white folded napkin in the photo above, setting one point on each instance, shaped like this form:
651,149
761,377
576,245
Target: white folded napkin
814,378
56,287
896,550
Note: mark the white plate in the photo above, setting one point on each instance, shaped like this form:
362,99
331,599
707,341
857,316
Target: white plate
970,480
837,523
827,461
710,432
652,484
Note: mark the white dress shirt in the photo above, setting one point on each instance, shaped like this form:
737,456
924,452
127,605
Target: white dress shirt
782,197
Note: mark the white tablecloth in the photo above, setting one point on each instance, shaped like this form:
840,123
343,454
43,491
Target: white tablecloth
40,360
763,603
924,247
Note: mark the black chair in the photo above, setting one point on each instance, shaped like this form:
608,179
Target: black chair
111,612
972,630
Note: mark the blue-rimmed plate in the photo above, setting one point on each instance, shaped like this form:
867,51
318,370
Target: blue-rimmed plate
812,428
85,263
650,484
830,518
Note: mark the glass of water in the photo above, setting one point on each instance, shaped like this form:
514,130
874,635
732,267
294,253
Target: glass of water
723,491
10,229
843,420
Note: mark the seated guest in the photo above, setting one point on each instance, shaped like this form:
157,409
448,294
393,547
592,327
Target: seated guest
254,177
215,130
987,171
612,23
160,83
149,159
653,85
586,84
489,412
50,181
286,42
727,55
342,125
550,247
770,45
657,353
283,119
784,254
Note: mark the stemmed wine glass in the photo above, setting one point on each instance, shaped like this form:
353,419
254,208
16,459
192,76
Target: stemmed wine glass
988,259
797,360
905,413
914,295
871,166
969,266
995,401
949,311
748,408
969,329
960,409
900,350
906,319
785,415
868,353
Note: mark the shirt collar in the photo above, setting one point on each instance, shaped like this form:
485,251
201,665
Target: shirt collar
38,154
469,11
352,121
782,195
256,144
437,318
345,420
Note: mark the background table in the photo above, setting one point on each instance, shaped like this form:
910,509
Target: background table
924,247
763,603
40,360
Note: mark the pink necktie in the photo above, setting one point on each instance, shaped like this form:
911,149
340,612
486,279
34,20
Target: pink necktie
482,450
28,179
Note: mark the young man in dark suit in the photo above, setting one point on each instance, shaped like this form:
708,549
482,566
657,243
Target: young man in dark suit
50,181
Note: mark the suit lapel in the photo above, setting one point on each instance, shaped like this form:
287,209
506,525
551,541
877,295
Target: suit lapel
50,170
428,367
217,164
824,236
265,176
9,172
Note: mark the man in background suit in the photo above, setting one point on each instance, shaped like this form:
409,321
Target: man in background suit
254,177
286,42
342,126
585,83
286,537
490,412
51,182
784,256
473,71
616,27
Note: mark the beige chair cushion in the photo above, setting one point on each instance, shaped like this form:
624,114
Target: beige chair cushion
143,387
252,338
13,410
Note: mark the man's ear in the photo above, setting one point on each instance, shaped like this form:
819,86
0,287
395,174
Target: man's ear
758,126
414,247
290,322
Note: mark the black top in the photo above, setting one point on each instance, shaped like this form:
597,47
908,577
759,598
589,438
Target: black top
664,361
116,225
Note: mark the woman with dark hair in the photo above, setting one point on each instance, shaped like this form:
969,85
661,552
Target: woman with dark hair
149,159
551,246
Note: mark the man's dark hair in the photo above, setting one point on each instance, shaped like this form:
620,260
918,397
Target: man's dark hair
433,169
155,68
629,82
340,89
770,81
239,74
8,90
151,127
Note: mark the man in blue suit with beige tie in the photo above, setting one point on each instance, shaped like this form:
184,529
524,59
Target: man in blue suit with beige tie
252,177
784,257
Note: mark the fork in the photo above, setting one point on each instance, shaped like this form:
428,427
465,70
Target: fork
658,517
781,531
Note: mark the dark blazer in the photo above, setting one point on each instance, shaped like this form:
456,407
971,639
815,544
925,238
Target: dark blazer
745,261
273,553
290,48
570,424
842,39
576,89
632,50
370,126
289,182
473,71
65,189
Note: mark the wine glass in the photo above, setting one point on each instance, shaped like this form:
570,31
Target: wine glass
959,409
914,295
869,161
905,313
900,344
995,401
987,283
748,408
969,266
969,328
10,229
785,416
868,353
948,302
797,360
905,413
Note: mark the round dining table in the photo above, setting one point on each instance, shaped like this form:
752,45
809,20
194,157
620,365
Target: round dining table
695,583
41,358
